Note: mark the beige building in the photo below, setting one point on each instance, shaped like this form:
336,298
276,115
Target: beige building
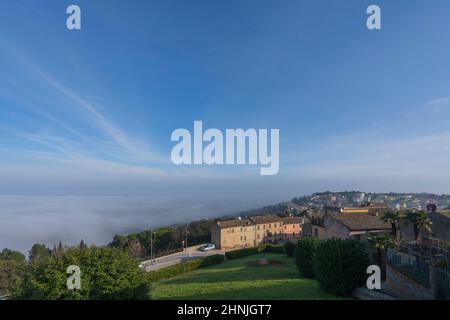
239,233
292,227
269,229
254,231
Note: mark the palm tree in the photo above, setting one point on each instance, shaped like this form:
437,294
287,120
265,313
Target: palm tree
420,221
381,243
393,217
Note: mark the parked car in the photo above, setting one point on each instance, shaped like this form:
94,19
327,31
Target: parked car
207,247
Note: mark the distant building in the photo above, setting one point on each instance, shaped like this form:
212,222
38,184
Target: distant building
353,225
347,222
254,231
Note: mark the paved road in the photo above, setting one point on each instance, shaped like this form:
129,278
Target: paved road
166,261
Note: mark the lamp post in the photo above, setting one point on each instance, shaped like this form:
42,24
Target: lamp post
151,246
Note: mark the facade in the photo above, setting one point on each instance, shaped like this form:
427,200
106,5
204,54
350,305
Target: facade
239,233
269,229
254,231
292,228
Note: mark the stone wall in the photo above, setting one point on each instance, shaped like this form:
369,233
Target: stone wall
403,287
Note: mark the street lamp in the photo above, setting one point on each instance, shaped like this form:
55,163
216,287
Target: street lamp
151,246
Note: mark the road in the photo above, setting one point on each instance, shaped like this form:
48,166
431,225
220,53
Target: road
169,260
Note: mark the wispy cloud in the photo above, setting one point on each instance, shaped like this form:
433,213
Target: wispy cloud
437,105
111,149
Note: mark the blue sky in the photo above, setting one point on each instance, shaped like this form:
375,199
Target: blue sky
90,112
104,100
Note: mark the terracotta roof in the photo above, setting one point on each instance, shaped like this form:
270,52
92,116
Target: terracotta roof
266,219
234,223
378,205
292,220
361,222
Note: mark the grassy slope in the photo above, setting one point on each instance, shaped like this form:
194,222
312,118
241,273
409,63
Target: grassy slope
233,279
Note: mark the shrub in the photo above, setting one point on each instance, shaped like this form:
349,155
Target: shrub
106,274
212,260
236,254
304,256
274,248
289,248
340,265
184,267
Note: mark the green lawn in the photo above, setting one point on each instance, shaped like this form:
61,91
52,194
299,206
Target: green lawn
241,279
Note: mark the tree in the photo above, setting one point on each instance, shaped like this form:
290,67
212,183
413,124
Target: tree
420,221
11,276
392,217
82,245
381,243
340,265
12,265
289,248
39,253
8,254
106,273
304,256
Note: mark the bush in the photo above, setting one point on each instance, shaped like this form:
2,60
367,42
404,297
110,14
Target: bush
184,267
212,260
289,248
304,256
106,274
236,254
340,265
274,248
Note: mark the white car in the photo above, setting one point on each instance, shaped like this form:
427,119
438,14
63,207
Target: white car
207,247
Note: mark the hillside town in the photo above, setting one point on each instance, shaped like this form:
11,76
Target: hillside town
413,243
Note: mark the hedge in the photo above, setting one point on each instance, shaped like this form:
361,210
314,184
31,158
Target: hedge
289,248
184,267
340,265
236,254
304,256
274,248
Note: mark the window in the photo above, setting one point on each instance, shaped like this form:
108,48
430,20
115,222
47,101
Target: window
258,227
264,226
270,225
245,238
232,230
241,229
280,224
241,238
285,227
316,232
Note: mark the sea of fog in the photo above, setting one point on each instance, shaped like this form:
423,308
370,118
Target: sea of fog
25,220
